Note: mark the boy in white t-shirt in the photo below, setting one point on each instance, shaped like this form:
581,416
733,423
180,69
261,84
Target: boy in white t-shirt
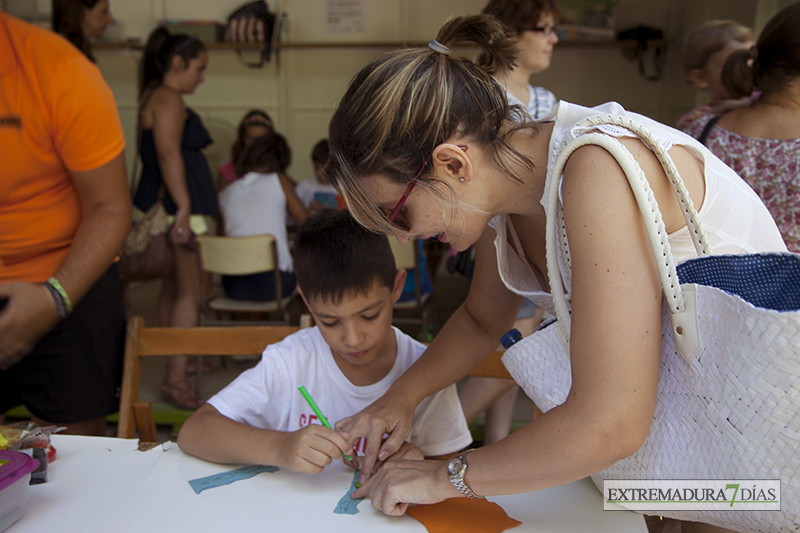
347,277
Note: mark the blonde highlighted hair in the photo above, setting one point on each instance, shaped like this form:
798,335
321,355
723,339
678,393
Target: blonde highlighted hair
404,103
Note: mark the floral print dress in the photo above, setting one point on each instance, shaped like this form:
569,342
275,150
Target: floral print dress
770,166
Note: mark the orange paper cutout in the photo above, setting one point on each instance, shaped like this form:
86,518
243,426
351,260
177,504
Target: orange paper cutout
462,515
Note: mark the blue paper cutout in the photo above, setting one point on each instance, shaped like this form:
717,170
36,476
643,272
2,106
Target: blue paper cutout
226,478
348,505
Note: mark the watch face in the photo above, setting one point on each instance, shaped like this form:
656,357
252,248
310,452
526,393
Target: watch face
455,465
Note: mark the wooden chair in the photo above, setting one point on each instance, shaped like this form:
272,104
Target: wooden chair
492,367
238,256
422,309
201,341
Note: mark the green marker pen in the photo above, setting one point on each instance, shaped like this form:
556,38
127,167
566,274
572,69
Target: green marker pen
317,412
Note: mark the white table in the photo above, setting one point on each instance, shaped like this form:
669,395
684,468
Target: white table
105,484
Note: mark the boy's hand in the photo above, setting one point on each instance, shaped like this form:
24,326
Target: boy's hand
312,448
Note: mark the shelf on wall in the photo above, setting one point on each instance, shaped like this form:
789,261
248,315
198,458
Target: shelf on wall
387,44
136,45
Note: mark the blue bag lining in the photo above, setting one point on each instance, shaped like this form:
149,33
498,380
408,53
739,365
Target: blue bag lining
769,280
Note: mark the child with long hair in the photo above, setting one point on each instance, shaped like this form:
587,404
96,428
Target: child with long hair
252,126
256,204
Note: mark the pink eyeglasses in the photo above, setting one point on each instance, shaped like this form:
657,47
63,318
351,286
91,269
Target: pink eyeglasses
392,218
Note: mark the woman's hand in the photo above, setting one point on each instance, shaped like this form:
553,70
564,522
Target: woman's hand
181,231
407,451
386,415
399,483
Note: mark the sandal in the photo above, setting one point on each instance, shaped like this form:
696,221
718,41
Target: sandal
208,367
181,395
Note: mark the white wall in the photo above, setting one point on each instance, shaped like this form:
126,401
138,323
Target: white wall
301,87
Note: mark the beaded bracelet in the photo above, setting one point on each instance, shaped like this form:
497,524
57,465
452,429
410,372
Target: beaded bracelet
53,282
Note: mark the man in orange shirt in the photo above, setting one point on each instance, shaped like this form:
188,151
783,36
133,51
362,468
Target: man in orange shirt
64,214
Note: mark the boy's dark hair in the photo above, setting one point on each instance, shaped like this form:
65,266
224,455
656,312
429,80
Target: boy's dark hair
268,153
321,152
334,256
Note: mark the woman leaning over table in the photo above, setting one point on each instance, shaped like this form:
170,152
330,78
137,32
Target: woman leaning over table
171,138
428,139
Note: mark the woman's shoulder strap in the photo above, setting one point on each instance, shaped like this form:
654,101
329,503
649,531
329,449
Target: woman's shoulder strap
707,129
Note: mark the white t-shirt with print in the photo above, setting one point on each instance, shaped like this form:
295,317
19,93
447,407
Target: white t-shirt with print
267,396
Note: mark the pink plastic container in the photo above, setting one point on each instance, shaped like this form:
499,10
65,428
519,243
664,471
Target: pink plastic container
15,474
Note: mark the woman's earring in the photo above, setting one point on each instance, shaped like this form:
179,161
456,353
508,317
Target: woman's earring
461,180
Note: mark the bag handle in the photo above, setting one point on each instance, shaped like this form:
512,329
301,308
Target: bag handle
681,303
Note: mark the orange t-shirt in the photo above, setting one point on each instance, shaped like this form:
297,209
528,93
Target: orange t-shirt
56,115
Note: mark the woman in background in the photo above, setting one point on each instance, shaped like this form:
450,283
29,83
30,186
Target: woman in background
533,29
171,139
81,20
705,51
761,141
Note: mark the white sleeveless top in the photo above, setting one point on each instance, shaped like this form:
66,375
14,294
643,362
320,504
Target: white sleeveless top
732,215
255,204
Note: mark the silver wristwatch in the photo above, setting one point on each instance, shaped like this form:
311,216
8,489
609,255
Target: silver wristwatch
457,468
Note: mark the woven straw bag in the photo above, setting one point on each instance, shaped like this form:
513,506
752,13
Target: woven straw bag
728,398
154,222
147,252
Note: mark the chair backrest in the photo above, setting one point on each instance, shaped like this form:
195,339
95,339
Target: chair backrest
236,256
405,254
492,367
145,342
